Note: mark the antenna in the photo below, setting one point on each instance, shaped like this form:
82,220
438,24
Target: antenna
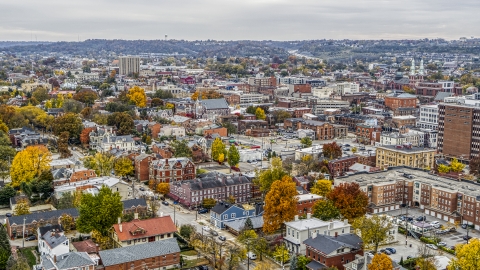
166,37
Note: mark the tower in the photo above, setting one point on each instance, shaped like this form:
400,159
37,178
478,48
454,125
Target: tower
412,68
421,71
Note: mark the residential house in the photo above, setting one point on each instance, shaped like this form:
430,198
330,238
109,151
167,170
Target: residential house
340,166
224,212
93,185
162,149
62,163
68,261
87,246
362,262
305,203
174,131
133,206
171,169
332,250
139,232
300,230
164,254
52,241
104,139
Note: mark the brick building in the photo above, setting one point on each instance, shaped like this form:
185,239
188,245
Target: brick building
142,166
305,203
219,130
232,99
299,112
350,120
404,121
395,101
340,166
292,103
368,134
300,88
171,170
243,125
162,149
405,155
433,88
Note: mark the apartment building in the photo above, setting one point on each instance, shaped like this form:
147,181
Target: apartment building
433,88
428,117
447,199
459,131
405,155
305,203
347,88
129,65
171,170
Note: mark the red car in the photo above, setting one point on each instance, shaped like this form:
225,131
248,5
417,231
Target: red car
235,168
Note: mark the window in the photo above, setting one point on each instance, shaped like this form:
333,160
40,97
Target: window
233,215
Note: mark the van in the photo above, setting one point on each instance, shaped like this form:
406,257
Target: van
251,255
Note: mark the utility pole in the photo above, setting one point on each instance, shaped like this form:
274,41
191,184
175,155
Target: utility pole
23,236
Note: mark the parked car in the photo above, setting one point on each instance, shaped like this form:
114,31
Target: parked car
392,250
249,161
165,203
206,228
386,251
8,214
222,238
362,148
202,211
347,145
235,168
142,189
467,237
464,226
409,257
214,233
452,247
31,238
442,244
202,267
434,223
251,255
421,218
431,246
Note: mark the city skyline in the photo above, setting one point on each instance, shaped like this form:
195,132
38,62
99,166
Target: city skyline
54,20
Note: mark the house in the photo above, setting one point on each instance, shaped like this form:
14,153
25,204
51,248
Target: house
133,206
32,221
19,198
327,251
68,261
87,246
211,108
93,185
171,169
236,226
52,241
104,139
224,212
62,163
305,202
299,230
164,254
359,263
142,164
137,232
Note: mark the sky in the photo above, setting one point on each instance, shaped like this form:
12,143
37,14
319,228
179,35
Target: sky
72,20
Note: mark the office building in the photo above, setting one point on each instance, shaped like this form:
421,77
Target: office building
129,65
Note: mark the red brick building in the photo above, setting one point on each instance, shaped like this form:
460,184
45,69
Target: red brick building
366,134
299,112
395,101
305,203
162,150
332,250
300,88
171,169
340,166
232,99
220,131
142,166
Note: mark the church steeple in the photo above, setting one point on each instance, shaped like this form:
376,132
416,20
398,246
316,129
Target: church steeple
421,71
412,68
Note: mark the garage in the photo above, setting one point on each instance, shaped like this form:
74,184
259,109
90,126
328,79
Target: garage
445,218
439,216
452,221
375,211
427,212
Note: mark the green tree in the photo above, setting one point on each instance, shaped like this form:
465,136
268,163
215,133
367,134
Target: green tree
186,230
231,128
261,246
325,210
208,203
123,167
374,230
40,94
302,262
260,114
66,201
99,212
251,110
122,121
248,224
217,148
101,163
233,156
281,254
247,236
69,122
306,142
6,193
5,248
181,149
266,178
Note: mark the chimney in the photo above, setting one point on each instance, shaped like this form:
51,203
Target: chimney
336,234
345,221
120,224
161,214
97,248
296,217
309,215
54,258
330,225
135,215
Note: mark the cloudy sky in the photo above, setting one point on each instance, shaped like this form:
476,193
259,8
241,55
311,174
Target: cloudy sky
57,20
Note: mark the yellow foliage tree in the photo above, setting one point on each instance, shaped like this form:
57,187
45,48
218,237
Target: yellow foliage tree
380,262
67,222
29,163
163,188
21,208
280,204
321,187
467,256
262,266
456,166
138,96
260,114
194,96
221,158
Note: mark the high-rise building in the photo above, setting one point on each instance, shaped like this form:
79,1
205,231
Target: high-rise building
129,65
459,131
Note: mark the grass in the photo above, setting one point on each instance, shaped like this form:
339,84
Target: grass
192,263
28,254
189,253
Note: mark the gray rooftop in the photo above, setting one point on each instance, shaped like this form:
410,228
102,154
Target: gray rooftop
139,252
238,224
37,216
213,104
74,260
328,244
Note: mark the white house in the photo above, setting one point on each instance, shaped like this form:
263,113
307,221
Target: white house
172,131
250,154
93,185
52,241
103,139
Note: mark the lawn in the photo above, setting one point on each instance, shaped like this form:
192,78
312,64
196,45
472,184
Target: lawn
189,253
27,253
192,263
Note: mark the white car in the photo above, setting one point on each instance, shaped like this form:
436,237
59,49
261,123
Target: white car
435,223
206,228
431,246
442,244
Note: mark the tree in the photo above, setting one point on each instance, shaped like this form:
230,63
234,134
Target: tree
354,150
233,156
123,166
280,204
235,255
263,266
467,256
181,149
248,224
186,230
67,222
99,212
325,210
6,193
221,158
231,199
231,128
380,261
306,142
474,166
302,262
163,188
251,110
217,148
208,203
332,150
321,187
266,178
102,163
87,112
63,145
280,116
20,263
69,122
7,152
247,236
350,200
21,208
261,246
29,163
443,168
137,96
374,230
260,114
122,121
66,201
86,96
5,248
40,94
281,254
85,135
456,166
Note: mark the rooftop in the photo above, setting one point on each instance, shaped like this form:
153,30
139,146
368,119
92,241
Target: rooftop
312,223
144,228
401,148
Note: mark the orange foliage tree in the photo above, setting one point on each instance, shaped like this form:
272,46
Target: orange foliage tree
85,135
280,204
332,150
349,200
380,262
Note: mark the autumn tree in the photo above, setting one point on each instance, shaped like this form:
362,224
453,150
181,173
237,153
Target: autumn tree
163,188
122,121
443,168
321,187
101,163
86,96
374,230
474,166
233,156
281,254
181,149
29,163
67,222
63,145
87,112
85,135
280,204
156,102
266,178
467,256
332,150
217,148
349,200
99,212
21,208
208,203
380,261
325,210
137,96
69,122
40,93
456,166
123,166
260,114
279,116
306,141
247,236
